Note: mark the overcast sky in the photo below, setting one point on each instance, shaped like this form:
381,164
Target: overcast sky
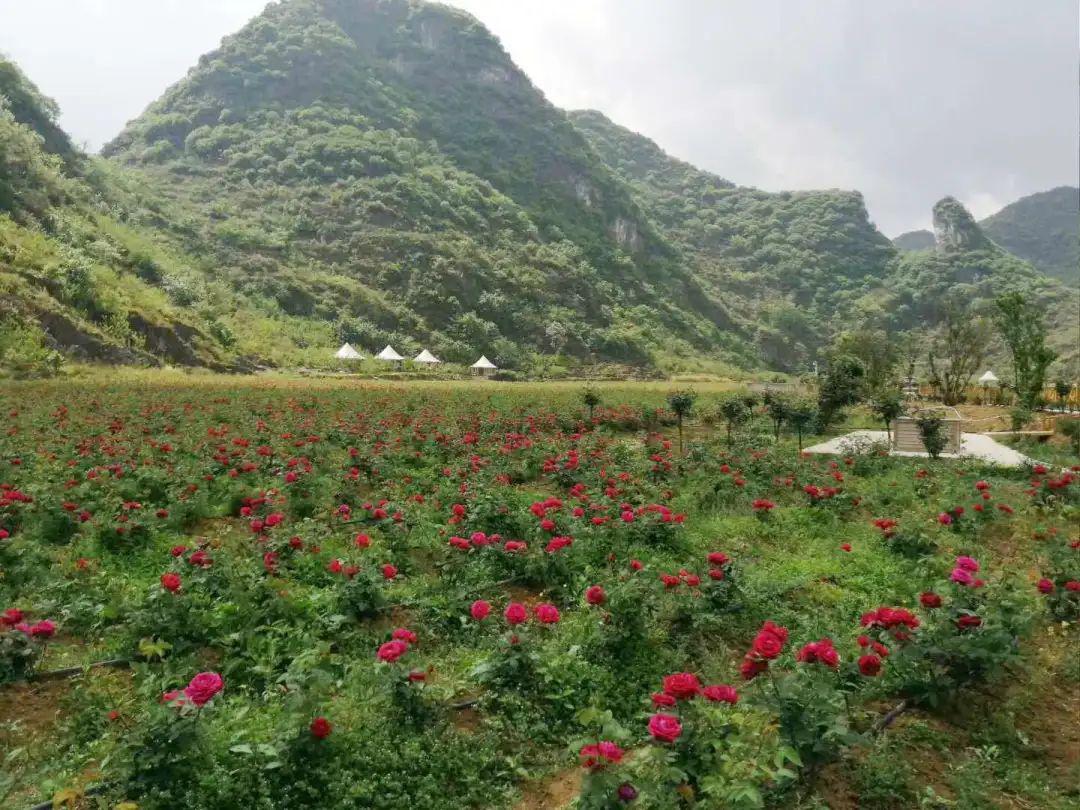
905,100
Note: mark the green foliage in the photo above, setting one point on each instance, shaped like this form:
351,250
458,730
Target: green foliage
957,351
888,405
802,416
931,428
1041,228
1024,331
843,385
24,353
734,411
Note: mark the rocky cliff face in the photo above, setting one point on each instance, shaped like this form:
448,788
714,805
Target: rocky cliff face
955,229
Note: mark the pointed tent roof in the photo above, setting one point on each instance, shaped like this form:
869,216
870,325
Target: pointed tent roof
483,362
389,354
426,357
988,377
347,352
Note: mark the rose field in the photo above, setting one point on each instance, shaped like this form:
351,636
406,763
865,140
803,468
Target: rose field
243,593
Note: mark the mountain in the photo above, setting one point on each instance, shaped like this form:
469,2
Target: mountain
380,171
801,267
69,269
790,264
383,167
915,240
1044,229
966,266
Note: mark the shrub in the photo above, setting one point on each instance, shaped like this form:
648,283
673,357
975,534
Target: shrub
932,432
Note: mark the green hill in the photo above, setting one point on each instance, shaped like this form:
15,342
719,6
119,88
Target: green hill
791,264
914,240
384,167
805,265
380,171
1044,229
967,265
72,275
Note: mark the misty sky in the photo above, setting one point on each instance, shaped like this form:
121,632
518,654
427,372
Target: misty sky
905,100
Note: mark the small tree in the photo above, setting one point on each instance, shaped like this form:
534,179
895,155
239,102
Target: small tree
778,408
932,432
842,386
735,412
1062,389
957,351
887,406
682,405
1070,428
802,414
1024,332
591,398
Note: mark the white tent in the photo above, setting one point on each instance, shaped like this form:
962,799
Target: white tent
388,354
483,365
988,378
347,352
426,357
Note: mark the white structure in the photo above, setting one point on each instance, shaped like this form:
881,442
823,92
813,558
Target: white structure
389,354
989,378
426,357
347,352
483,366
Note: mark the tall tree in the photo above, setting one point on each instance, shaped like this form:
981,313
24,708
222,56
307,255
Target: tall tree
878,352
842,385
957,351
1024,331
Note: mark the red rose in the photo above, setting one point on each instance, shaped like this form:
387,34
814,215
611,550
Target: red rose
170,582
721,693
203,687
660,699
751,667
682,685
480,609
43,629
1073,586
869,665
320,728
404,634
665,727
767,645
547,614
391,651
929,599
1045,586
968,622
389,571
515,613
595,595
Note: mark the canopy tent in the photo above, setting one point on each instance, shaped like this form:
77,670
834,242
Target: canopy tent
426,357
347,352
988,378
388,354
484,364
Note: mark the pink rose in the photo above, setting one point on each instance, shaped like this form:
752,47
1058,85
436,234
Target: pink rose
203,687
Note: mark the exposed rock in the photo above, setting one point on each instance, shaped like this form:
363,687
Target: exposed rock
625,232
955,228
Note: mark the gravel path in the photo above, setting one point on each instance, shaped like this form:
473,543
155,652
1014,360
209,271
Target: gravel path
972,445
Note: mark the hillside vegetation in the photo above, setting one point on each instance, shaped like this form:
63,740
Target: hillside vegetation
379,171
1044,229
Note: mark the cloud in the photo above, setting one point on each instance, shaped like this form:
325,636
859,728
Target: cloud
905,100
